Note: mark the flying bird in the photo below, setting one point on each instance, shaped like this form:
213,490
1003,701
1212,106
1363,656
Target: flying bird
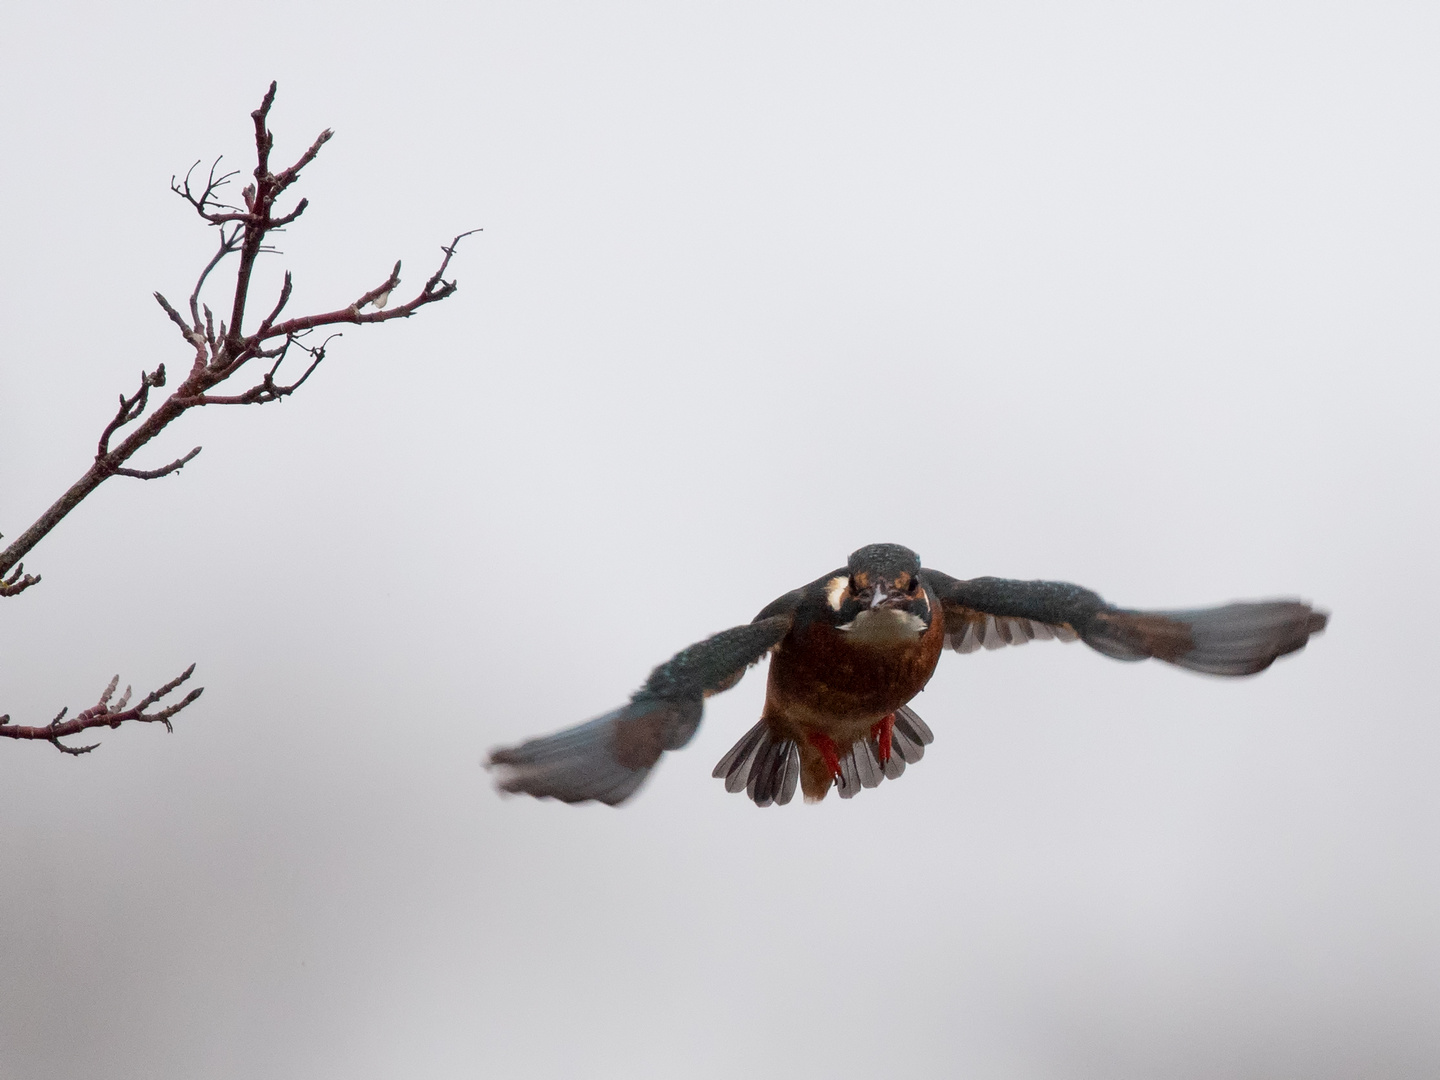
847,654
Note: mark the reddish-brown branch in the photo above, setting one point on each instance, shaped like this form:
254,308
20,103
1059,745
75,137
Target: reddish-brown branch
268,389
228,243
284,299
281,222
18,581
185,331
218,356
130,408
155,474
261,200
206,198
104,714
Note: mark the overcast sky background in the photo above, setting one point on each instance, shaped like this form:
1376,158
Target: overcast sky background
1139,296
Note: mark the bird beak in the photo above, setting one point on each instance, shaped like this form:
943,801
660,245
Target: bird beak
879,597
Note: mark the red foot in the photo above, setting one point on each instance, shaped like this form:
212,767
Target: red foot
884,732
828,750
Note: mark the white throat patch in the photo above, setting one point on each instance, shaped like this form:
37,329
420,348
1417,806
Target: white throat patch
884,626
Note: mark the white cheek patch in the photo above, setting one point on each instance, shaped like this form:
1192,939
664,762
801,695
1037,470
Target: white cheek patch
835,592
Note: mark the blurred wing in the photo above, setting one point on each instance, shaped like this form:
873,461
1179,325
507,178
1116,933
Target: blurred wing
608,758
1236,639
994,612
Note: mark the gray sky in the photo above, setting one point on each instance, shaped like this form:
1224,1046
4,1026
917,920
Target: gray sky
1138,296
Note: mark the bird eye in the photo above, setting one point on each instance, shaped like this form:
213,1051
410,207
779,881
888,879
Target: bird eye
914,583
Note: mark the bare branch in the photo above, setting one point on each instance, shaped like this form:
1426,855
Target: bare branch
103,714
437,277
206,198
155,474
130,409
263,139
268,389
380,295
17,582
219,353
261,201
290,175
174,316
229,242
436,288
279,306
281,222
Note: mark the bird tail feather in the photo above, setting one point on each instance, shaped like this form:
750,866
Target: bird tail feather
765,764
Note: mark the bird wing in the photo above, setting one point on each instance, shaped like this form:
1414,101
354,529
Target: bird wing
607,759
1235,639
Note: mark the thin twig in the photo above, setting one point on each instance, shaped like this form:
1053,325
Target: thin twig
103,714
155,474
18,581
228,243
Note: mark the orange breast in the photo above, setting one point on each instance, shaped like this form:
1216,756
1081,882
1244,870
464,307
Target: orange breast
822,678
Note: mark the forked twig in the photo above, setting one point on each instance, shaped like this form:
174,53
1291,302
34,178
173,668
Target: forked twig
104,714
217,353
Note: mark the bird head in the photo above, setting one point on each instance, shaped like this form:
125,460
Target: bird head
880,597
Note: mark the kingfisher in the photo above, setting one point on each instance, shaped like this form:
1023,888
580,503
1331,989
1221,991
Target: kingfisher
847,653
